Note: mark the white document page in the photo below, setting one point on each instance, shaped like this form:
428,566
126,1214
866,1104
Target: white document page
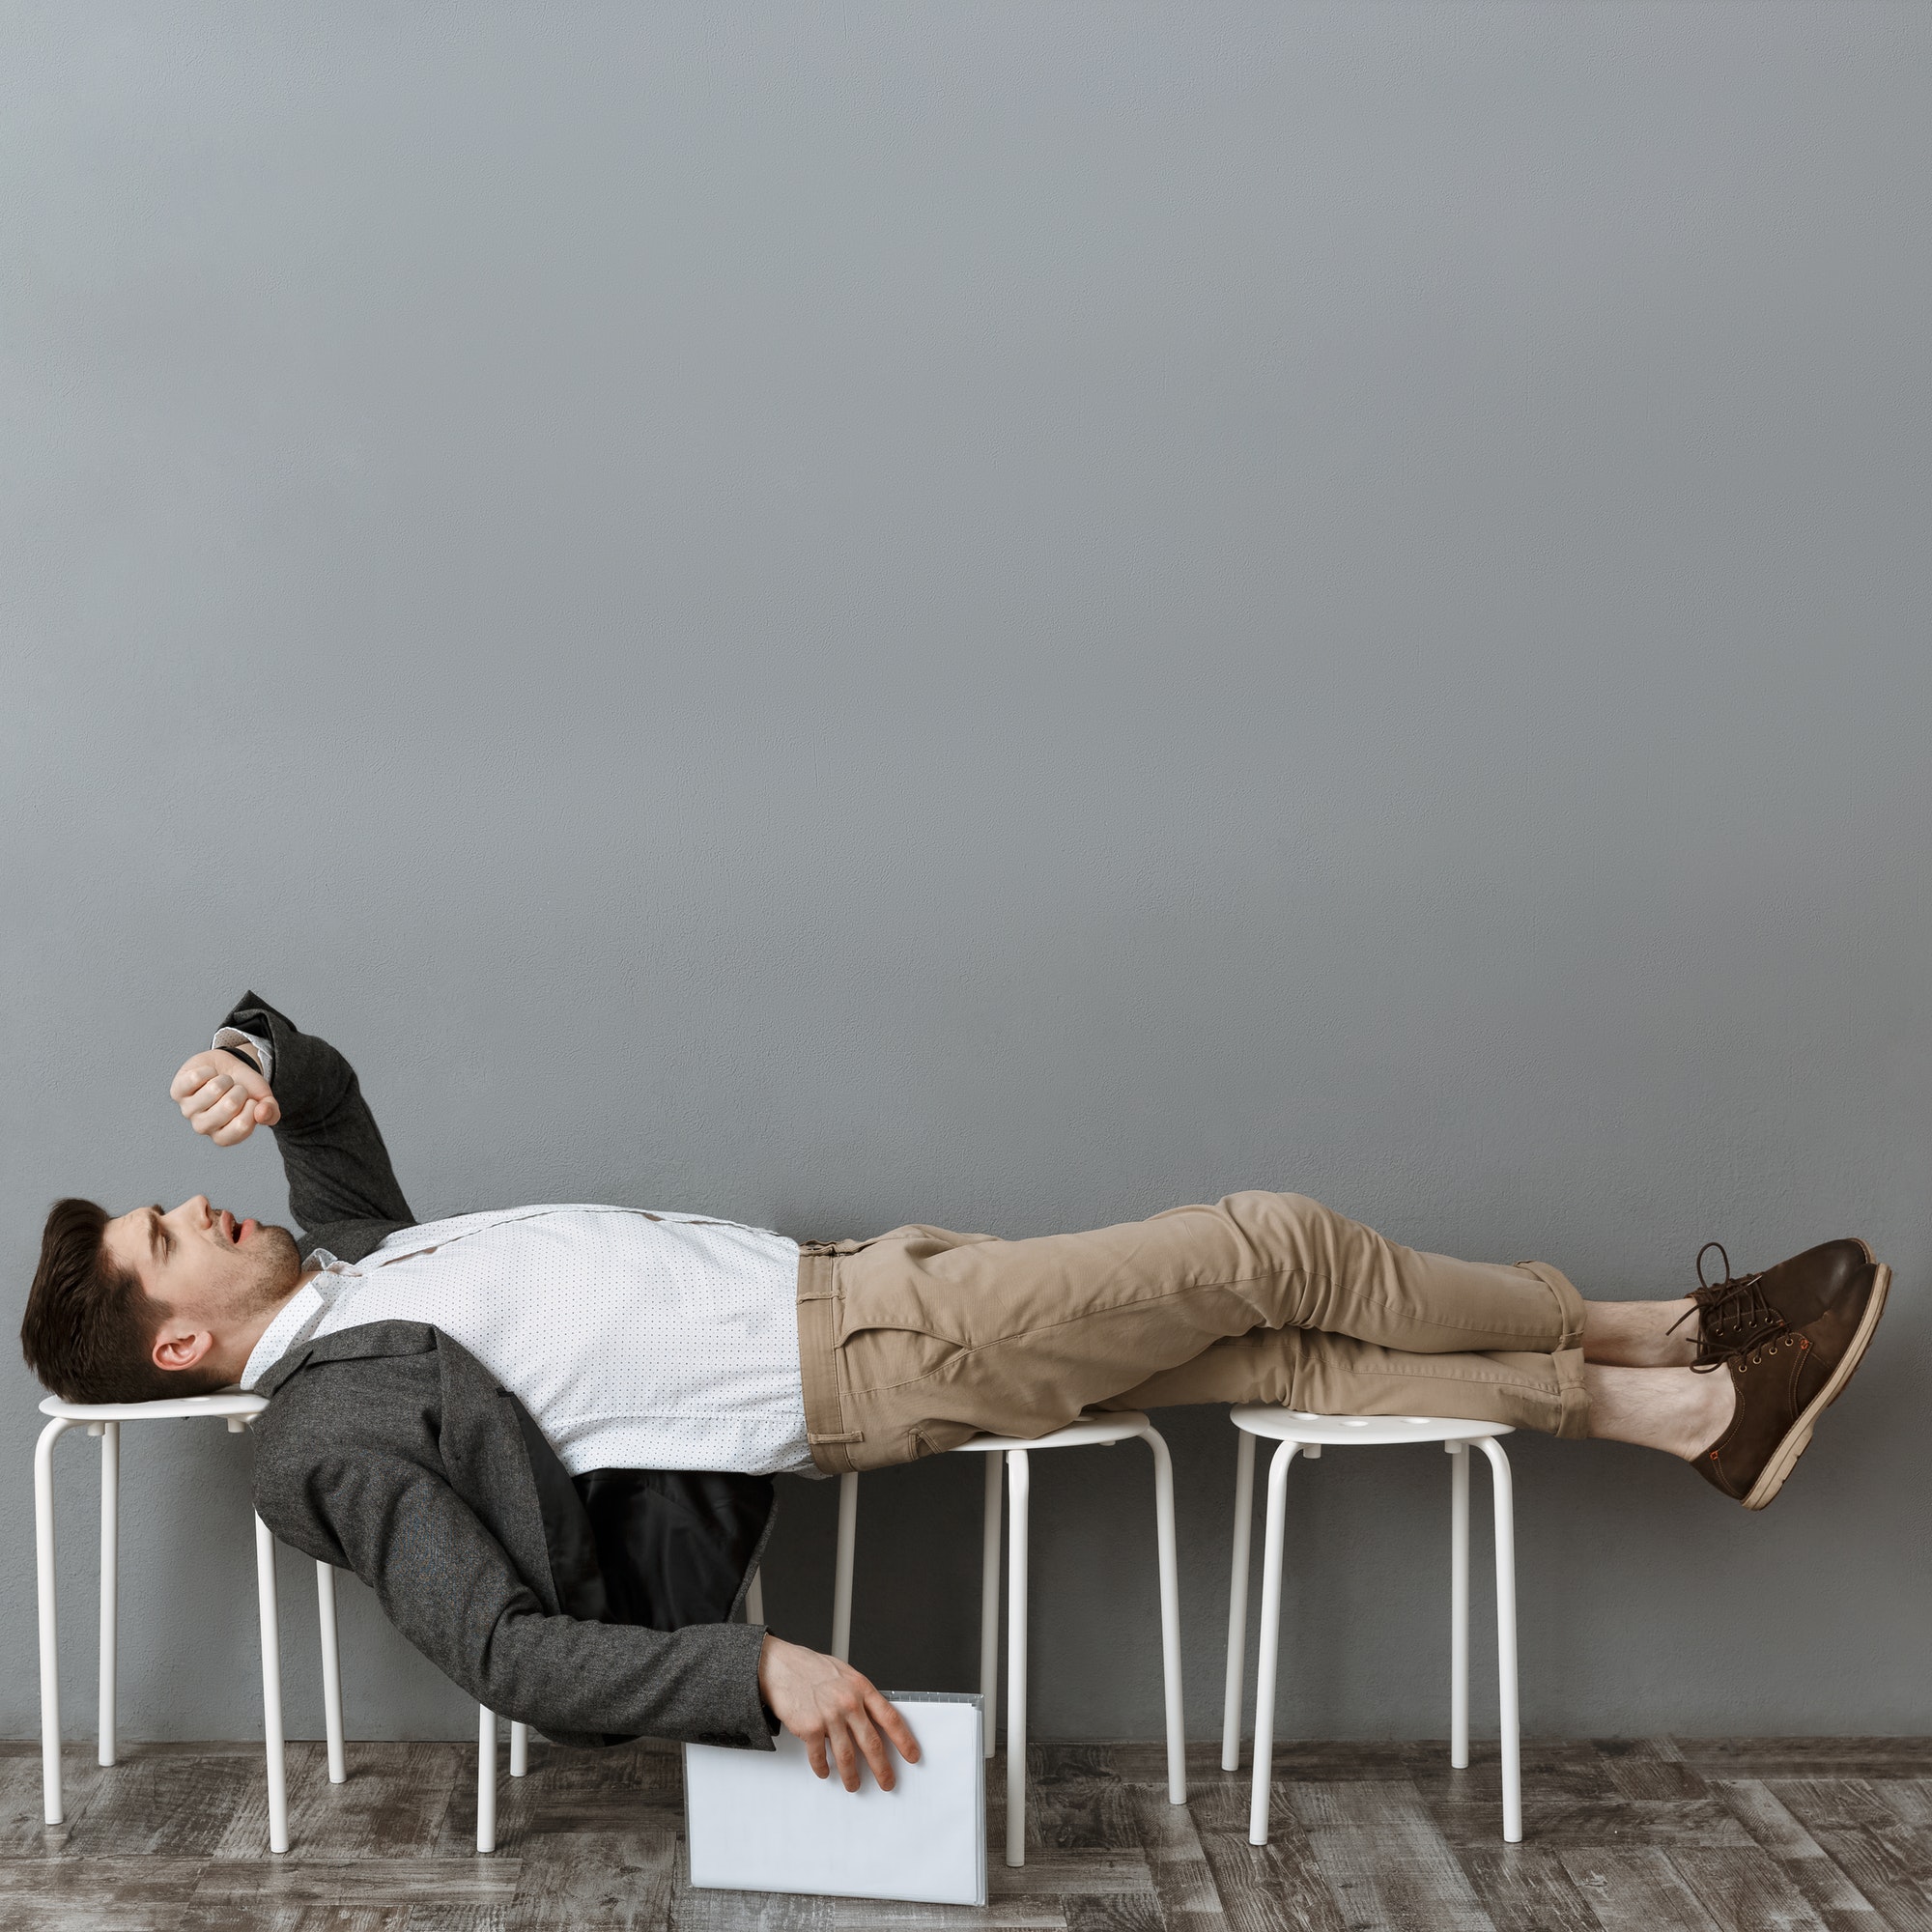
759,1821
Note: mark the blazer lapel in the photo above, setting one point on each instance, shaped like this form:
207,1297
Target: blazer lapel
349,1345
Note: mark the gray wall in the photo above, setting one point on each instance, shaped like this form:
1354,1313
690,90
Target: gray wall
1004,616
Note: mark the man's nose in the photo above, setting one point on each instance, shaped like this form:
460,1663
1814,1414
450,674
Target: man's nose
196,1209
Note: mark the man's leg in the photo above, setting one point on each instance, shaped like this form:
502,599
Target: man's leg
1636,1378
1641,1334
912,1343
1335,1374
1673,1409
1566,1393
1638,1357
915,1341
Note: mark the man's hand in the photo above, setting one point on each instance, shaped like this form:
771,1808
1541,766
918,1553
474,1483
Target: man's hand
223,1096
823,1702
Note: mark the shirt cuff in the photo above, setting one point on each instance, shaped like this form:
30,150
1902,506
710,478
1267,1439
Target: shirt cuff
265,1054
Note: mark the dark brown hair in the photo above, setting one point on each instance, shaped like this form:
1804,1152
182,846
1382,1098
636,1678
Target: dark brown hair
89,1330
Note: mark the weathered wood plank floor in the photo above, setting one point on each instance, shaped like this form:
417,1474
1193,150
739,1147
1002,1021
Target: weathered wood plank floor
1757,1835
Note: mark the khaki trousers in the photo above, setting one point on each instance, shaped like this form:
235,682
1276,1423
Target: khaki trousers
913,1342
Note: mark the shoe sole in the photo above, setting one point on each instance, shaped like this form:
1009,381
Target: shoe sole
1798,1438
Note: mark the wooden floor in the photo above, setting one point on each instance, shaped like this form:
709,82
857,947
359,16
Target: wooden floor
1740,1836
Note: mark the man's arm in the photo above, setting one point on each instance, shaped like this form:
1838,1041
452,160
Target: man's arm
332,1151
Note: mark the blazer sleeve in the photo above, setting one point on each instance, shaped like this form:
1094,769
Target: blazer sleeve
448,1585
332,1151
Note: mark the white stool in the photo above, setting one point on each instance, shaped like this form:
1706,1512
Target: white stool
105,1420
1013,1452
1299,1432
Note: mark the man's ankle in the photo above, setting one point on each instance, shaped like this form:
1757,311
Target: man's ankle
1713,1405
1641,1334
1680,1332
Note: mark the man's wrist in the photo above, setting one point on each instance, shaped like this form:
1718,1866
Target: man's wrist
248,1046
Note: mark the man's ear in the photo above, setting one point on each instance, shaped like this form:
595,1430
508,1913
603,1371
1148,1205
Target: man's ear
180,1347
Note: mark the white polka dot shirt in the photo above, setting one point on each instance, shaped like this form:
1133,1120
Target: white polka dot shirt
636,1341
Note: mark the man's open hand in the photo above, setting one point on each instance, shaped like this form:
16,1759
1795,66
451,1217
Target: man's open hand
825,1703
223,1096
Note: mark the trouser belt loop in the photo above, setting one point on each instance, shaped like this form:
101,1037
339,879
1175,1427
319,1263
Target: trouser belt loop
818,1298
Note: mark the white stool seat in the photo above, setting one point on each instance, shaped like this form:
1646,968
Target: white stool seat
171,1408
1011,1455
1299,1432
1357,1432
1121,1426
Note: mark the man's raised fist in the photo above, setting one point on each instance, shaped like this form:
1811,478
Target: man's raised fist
225,1096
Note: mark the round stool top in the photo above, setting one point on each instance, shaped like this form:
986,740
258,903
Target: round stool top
1120,1426
167,1409
1358,1431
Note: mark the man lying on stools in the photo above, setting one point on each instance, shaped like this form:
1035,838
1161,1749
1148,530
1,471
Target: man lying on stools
544,1436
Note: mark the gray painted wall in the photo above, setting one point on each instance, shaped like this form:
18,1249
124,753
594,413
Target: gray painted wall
1004,616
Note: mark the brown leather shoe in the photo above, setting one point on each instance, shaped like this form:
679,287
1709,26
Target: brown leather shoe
1736,1315
1789,1339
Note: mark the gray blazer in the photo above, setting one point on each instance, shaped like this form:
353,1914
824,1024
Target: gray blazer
390,1450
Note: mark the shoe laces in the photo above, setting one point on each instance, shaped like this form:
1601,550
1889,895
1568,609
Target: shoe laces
1735,1316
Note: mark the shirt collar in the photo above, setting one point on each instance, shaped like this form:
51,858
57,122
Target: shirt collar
298,1318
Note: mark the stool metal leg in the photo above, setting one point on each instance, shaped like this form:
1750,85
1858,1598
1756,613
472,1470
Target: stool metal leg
110,1580
485,1780
1169,1616
271,1688
1270,1643
331,1671
43,1553
1459,1604
754,1597
842,1580
520,1748
989,1602
1019,1483
1499,1479
1237,1601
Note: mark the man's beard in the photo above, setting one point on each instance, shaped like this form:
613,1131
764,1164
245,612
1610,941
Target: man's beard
273,1267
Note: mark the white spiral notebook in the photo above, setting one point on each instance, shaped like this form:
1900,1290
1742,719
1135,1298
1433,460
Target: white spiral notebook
759,1821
